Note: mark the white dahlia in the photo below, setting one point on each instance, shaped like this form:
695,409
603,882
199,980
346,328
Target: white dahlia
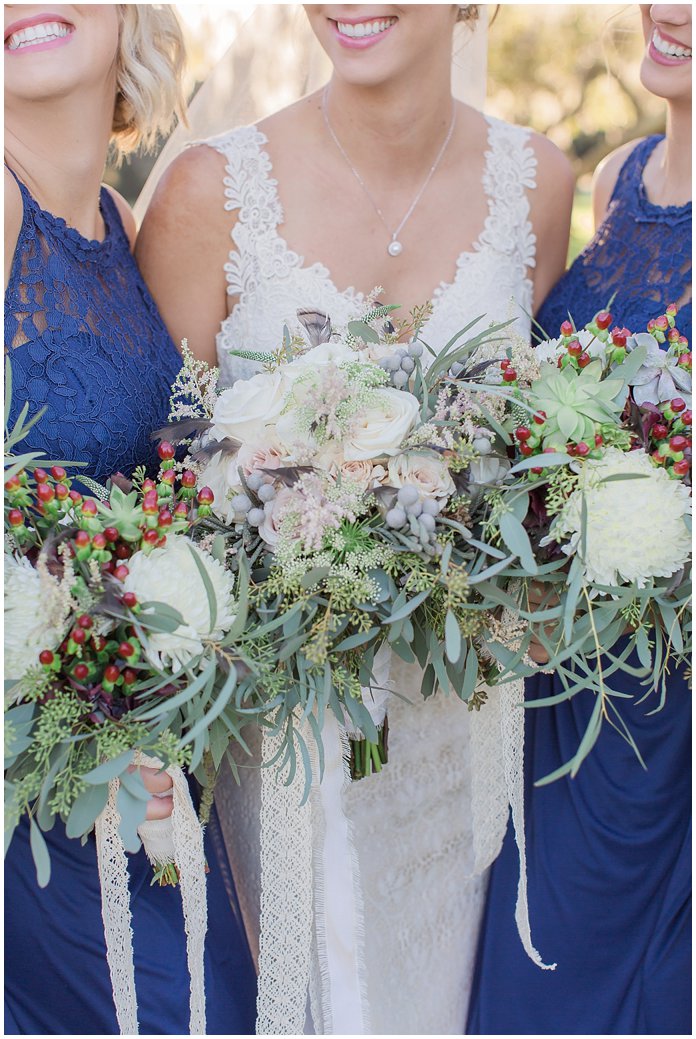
33,615
170,575
636,528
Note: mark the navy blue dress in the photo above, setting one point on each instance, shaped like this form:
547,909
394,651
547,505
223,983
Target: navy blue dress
608,853
86,340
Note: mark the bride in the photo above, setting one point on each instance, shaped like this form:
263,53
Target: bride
380,179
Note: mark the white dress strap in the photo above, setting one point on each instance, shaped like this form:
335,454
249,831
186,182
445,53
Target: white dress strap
510,174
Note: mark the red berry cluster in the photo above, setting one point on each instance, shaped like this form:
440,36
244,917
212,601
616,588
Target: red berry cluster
671,438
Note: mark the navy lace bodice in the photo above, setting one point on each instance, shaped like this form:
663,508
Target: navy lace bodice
86,340
641,252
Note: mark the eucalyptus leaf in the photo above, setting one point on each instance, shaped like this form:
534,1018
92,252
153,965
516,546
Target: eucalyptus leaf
86,807
40,854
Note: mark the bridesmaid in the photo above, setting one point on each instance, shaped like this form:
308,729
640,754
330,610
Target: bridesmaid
608,852
86,340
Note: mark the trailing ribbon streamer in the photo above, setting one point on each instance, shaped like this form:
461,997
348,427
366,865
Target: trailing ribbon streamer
179,840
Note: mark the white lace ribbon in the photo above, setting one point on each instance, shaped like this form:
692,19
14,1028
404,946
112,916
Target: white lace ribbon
178,839
311,906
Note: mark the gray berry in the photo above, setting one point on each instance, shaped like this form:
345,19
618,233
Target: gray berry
415,509
456,370
266,492
415,349
483,445
407,495
407,364
400,379
392,363
427,521
240,503
396,517
256,517
431,506
254,481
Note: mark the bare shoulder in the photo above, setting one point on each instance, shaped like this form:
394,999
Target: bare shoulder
554,172
191,188
125,212
14,210
605,177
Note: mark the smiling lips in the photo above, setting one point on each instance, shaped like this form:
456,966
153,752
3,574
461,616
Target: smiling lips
33,35
667,51
364,33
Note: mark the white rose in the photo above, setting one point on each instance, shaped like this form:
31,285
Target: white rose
426,471
170,575
32,616
221,475
325,353
382,428
247,408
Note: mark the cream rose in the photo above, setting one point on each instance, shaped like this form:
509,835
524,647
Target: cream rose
381,429
423,470
247,408
325,353
363,473
269,455
274,511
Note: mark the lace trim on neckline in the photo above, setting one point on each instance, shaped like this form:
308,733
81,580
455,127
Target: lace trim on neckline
81,245
649,210
251,190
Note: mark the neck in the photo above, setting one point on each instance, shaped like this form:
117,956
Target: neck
676,164
58,150
392,126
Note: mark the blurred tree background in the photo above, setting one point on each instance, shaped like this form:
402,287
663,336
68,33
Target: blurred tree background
570,71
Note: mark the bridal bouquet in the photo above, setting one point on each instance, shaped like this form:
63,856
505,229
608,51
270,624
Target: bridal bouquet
597,507
344,477
121,644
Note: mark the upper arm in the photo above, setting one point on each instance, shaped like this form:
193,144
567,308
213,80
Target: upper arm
551,206
604,180
14,210
125,212
183,246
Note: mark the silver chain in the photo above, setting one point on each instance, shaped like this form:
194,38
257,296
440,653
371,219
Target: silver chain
395,247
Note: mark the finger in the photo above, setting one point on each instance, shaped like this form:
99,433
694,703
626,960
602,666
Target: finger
159,807
155,780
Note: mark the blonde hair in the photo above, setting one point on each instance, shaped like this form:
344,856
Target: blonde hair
150,63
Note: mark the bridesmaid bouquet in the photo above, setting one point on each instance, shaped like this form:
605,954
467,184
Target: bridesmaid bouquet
599,511
345,476
106,662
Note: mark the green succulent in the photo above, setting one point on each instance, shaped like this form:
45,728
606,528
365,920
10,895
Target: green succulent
577,403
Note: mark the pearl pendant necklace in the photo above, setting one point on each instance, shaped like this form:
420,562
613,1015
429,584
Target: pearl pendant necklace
395,247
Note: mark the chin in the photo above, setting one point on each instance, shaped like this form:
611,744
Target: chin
671,84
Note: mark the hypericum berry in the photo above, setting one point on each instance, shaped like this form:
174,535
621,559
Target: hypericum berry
168,476
686,417
658,458
584,359
129,600
58,472
619,336
121,572
504,364
126,650
525,450
85,621
599,439
205,496
188,479
111,534
540,418
89,507
537,470
82,539
661,323
151,537
112,673
181,509
99,643
681,468
678,443
603,319
78,635
659,431
165,518
574,348
166,451
150,503
148,485
122,551
62,491
12,485
567,328
46,657
582,449
81,672
40,475
523,433
509,375
129,676
673,335
15,518
685,360
671,309
678,404
99,542
75,497
45,493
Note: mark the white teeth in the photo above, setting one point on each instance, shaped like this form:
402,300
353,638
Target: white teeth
43,33
362,29
673,50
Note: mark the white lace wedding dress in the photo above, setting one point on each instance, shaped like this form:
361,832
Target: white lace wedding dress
413,825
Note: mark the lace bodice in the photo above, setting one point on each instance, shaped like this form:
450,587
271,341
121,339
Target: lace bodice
85,340
412,825
269,281
641,252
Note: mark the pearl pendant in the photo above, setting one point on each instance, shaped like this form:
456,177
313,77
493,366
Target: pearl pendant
395,248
